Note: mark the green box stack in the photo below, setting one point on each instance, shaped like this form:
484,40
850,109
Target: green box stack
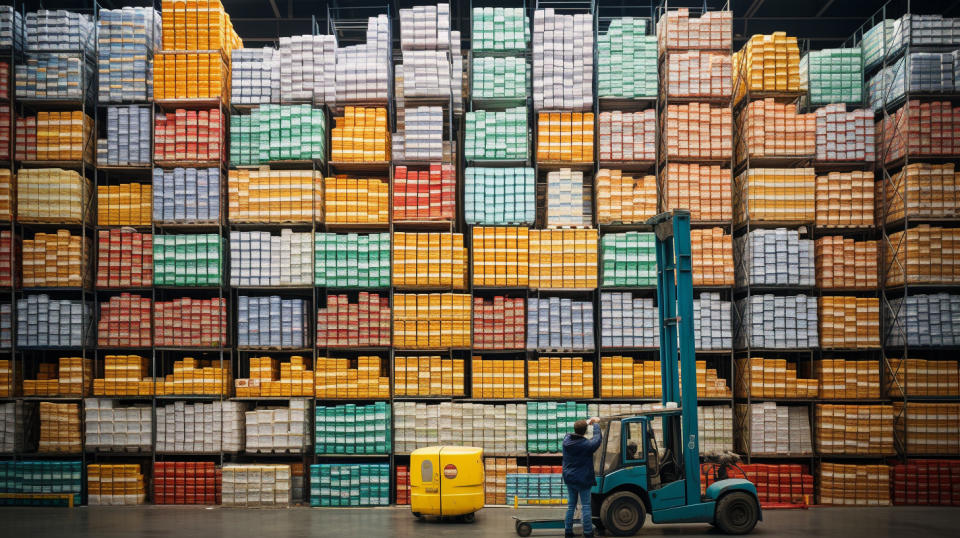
627,60
40,477
499,196
500,29
500,78
628,259
352,260
497,135
278,133
341,484
549,422
835,75
187,260
876,39
353,429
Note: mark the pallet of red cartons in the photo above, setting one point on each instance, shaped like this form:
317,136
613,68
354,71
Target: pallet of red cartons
425,194
778,486
186,482
403,484
188,136
546,469
933,482
345,324
920,130
9,248
26,135
124,259
499,323
124,322
190,322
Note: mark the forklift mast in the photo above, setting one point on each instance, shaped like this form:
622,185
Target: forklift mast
675,305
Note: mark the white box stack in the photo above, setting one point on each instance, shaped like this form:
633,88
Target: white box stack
59,30
422,136
559,323
13,424
845,136
562,60
11,28
255,76
778,322
779,429
926,320
712,322
127,39
775,258
500,430
307,68
256,485
432,61
628,321
565,199
200,428
284,430
715,424
129,130
110,427
6,326
262,259
363,70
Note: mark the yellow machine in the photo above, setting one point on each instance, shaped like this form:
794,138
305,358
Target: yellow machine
446,481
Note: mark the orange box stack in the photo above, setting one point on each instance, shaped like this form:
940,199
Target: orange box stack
929,428
922,190
431,320
6,195
198,25
124,375
497,378
713,257
920,129
699,73
190,322
840,379
64,136
849,322
626,377
699,131
275,196
356,201
56,260
8,381
565,136
927,255
127,204
501,256
360,135
60,428
560,377
10,249
843,429
124,259
845,200
704,190
428,376
625,199
843,263
72,376
563,259
495,478
769,63
198,377
919,377
124,322
429,260
773,129
191,75
775,194
677,30
189,137
772,378
274,379
338,378
850,484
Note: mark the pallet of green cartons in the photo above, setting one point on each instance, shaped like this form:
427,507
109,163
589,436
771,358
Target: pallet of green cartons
353,429
187,260
40,483
278,133
549,422
352,260
345,484
628,259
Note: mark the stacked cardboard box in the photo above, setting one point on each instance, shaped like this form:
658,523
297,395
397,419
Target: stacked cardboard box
834,75
338,379
548,422
560,377
499,323
699,131
6,326
568,202
775,194
190,322
56,260
186,482
625,199
498,196
66,323
773,378
353,429
428,376
126,204
769,63
64,136
362,69
25,148
266,195
713,252
431,320
256,485
14,420
497,378
628,321
128,137
715,424
849,322
928,428
775,258
491,136
926,481
699,73
6,187
926,255
628,259
345,324
351,260
339,484
534,488
498,429
112,427
432,61
60,428
919,130
873,424
924,320
356,201
771,429
772,129
429,260
845,200
501,256
562,73
268,378
627,59
853,484
11,28
495,475
8,381
201,26
559,323
124,375
360,135
854,379
425,194
272,322
627,136
186,194
283,430
9,244
565,136
677,30
402,481
52,195
919,377
922,190
703,190
200,428
197,377
187,260
503,79
307,69
785,483
261,259
54,75
500,29
194,136
845,136
918,72
127,39
263,136
255,75
71,376
124,322
26,477
626,377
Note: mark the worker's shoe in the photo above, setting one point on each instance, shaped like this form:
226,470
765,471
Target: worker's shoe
568,534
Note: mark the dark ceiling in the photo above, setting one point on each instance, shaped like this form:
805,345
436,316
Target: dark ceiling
825,23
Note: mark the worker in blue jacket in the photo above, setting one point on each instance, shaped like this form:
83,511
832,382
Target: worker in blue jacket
578,472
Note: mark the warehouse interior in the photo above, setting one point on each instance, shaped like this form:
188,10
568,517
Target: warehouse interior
261,253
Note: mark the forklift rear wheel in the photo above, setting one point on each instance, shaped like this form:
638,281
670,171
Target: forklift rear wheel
737,513
523,529
622,514
470,518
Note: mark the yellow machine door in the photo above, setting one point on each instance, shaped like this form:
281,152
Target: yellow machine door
461,480
425,482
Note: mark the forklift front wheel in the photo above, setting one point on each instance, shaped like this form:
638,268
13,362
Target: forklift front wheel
737,513
622,514
523,529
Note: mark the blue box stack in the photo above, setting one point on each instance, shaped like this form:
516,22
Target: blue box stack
186,194
40,477
271,322
341,484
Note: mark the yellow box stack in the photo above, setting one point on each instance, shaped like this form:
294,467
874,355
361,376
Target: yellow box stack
843,429
932,429
848,379
60,430
563,259
849,322
850,484
197,25
713,251
360,135
845,200
428,376
276,196
772,378
429,260
72,376
843,263
431,320
775,194
338,378
922,190
930,255
560,377
496,378
6,195
127,204
197,377
501,256
625,199
56,260
115,485
769,63
52,195
64,136
124,375
356,201
191,75
8,382
704,190
565,136
626,377
273,379
919,377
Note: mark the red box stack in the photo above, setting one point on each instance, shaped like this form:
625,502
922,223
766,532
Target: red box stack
499,324
934,482
545,469
345,324
922,129
4,111
403,484
190,322
186,482
776,484
124,259
26,148
189,135
7,261
423,194
124,322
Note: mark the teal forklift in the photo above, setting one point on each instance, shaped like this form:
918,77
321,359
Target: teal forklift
633,476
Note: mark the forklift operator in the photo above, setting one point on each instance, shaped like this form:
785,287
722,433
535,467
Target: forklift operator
578,473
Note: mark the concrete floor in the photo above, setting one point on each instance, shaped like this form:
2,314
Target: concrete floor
397,522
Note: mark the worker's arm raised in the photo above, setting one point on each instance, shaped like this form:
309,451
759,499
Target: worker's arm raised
597,437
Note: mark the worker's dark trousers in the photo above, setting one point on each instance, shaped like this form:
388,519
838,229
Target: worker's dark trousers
574,493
